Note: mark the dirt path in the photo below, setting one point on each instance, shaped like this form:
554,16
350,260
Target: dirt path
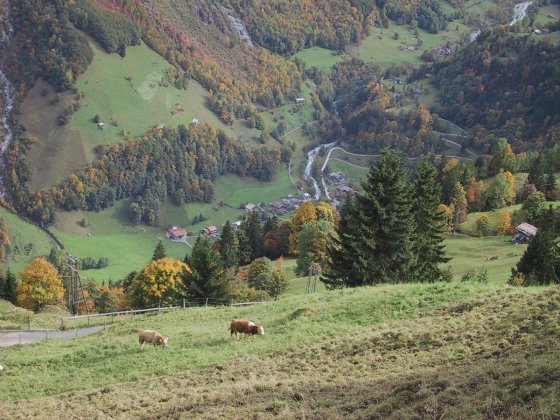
27,337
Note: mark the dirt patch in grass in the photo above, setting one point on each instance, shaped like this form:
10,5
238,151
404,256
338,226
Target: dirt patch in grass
56,152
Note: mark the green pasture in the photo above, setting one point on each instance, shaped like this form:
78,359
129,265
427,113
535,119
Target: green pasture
128,94
128,247
547,14
381,47
24,236
321,58
469,252
291,114
199,337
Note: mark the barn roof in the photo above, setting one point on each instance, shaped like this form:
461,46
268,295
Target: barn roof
527,229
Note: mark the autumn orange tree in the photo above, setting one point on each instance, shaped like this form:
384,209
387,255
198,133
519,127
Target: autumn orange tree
160,282
40,285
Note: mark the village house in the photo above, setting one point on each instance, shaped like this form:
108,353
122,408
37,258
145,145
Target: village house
195,122
277,207
300,101
337,176
237,224
249,207
176,233
525,232
211,231
344,190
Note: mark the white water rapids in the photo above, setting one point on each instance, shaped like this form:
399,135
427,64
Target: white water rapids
8,95
311,155
238,26
519,13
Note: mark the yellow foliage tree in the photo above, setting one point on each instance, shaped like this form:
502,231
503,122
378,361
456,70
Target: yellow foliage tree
160,282
510,187
304,214
325,211
40,285
448,212
504,223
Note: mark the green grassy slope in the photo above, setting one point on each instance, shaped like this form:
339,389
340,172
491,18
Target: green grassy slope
392,351
128,94
130,247
22,234
319,57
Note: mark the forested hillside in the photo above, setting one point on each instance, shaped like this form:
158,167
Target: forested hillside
504,85
181,164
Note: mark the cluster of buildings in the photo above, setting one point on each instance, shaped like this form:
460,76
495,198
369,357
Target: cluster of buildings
443,51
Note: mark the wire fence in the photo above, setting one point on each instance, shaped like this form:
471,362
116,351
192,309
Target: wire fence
110,317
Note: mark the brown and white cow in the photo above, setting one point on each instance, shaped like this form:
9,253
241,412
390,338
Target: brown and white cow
242,326
150,336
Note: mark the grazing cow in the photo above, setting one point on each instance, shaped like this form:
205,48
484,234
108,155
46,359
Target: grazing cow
150,336
239,326
1,368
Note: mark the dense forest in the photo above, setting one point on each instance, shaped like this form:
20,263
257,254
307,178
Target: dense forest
504,85
362,116
181,164
287,27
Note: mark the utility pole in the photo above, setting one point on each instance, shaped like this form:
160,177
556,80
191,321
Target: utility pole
314,272
74,287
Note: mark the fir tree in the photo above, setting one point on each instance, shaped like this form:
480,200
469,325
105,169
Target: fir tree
429,223
2,283
386,220
10,287
375,242
253,230
229,246
159,252
207,279
540,264
346,265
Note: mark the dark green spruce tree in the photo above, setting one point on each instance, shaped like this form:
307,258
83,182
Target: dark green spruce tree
253,229
207,279
386,220
347,265
428,223
159,252
229,246
540,264
2,282
376,244
10,287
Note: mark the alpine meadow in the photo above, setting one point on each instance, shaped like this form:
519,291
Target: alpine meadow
279,209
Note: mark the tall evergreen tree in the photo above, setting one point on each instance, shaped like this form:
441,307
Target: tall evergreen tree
346,266
2,282
429,222
253,229
229,246
159,252
207,278
10,287
386,219
540,264
377,246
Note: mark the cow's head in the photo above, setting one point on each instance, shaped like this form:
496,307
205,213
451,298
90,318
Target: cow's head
162,341
257,329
